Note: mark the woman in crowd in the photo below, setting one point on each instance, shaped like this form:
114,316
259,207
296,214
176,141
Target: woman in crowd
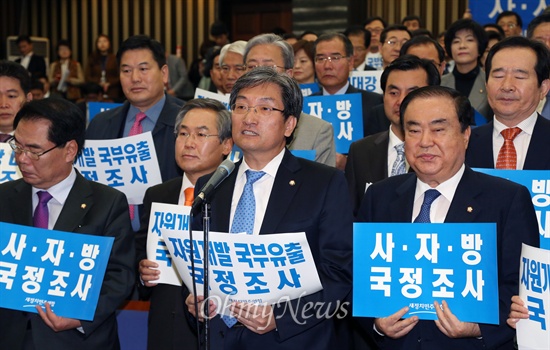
102,69
304,70
66,74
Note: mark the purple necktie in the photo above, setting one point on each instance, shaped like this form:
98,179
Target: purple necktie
41,213
4,137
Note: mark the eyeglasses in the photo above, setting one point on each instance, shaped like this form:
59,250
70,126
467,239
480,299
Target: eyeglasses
323,59
375,30
237,68
508,25
393,42
274,66
263,110
199,136
31,154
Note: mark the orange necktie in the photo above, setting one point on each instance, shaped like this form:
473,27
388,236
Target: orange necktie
189,193
507,157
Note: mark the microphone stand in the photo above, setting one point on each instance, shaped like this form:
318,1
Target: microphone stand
206,265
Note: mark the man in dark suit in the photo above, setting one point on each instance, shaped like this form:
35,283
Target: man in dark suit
360,39
35,64
436,122
378,156
49,134
333,64
15,85
143,74
292,195
514,98
203,140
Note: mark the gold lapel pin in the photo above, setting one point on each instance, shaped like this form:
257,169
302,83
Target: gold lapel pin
470,209
83,205
292,182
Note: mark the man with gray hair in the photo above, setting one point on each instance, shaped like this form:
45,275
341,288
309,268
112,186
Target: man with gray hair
311,133
290,194
231,63
203,139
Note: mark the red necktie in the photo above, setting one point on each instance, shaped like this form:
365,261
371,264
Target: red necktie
189,193
507,157
136,129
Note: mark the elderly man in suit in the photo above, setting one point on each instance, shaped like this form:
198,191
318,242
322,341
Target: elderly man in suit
436,123
203,140
49,134
143,75
291,195
333,63
311,132
381,155
517,80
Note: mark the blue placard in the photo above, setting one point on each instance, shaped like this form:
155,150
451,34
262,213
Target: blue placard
97,107
484,11
344,112
538,184
63,269
308,89
404,264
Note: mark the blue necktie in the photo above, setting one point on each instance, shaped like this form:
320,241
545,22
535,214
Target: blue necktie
429,197
398,166
243,221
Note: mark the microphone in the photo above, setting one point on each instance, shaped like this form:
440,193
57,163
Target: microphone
223,171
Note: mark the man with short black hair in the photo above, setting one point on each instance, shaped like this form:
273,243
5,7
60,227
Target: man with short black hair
15,85
510,22
34,64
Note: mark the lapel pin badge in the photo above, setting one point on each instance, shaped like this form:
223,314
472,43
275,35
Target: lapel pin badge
292,182
470,209
83,205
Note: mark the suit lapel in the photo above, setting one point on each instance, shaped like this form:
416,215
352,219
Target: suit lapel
401,208
536,156
282,193
382,142
77,205
464,207
21,204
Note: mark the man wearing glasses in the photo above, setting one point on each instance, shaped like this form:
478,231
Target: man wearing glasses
231,63
510,22
391,41
290,194
333,64
203,140
311,133
49,135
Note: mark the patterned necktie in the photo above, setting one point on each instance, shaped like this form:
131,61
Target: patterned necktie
507,157
243,221
41,213
136,129
4,137
189,194
429,197
398,166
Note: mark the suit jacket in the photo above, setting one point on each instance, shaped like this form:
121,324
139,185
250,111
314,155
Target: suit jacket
37,66
478,94
168,326
493,200
310,197
368,101
105,213
110,125
367,163
378,122
179,81
313,133
480,148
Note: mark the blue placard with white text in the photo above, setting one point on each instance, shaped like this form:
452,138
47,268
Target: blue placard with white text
63,269
308,89
408,264
538,184
485,11
95,108
344,112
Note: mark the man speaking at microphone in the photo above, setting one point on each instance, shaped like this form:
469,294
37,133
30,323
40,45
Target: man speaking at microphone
203,140
269,192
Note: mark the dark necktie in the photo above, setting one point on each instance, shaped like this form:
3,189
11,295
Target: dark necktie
429,197
4,137
41,213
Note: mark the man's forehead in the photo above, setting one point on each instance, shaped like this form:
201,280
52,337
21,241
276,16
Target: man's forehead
259,53
141,54
9,84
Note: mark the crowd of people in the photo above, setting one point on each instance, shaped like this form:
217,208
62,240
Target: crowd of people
413,164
